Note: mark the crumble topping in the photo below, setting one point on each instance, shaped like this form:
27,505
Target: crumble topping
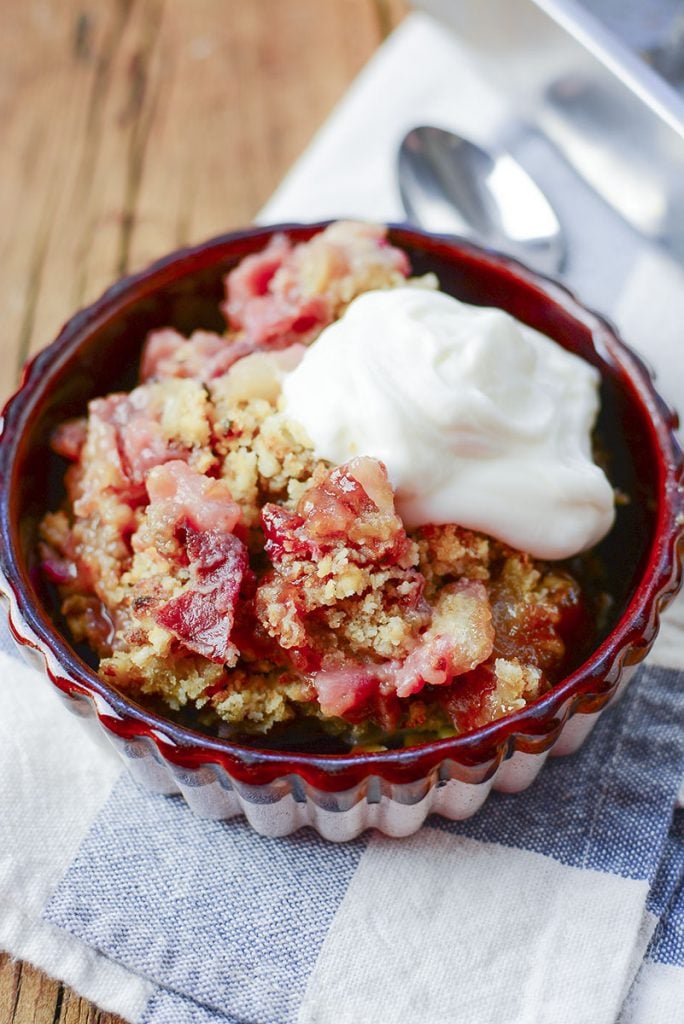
213,563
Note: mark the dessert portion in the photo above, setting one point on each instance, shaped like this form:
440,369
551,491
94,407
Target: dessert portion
342,519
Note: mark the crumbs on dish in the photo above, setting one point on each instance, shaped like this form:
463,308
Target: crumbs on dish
290,554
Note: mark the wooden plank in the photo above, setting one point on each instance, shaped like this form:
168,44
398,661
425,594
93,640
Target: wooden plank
135,126
35,997
10,975
27,996
129,128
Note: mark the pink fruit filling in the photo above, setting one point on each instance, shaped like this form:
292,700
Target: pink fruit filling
212,562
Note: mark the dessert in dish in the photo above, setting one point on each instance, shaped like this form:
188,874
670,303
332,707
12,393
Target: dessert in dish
282,779
365,511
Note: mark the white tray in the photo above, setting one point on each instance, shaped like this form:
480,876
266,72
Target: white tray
618,122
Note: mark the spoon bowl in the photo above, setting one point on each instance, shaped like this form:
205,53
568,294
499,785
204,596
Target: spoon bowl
449,185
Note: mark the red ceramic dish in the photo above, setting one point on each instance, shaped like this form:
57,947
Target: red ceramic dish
340,795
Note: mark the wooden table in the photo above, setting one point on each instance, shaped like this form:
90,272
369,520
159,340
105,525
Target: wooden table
130,127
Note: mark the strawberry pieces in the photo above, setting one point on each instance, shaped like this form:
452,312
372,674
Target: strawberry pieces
353,507
460,638
203,356
201,512
273,312
180,495
202,616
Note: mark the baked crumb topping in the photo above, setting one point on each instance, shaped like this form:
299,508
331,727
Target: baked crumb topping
213,563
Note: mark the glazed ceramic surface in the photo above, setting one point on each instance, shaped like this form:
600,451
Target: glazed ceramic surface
341,795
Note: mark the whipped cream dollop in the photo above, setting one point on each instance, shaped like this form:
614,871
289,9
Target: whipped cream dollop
479,419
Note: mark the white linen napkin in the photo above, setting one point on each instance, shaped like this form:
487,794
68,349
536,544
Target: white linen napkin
552,905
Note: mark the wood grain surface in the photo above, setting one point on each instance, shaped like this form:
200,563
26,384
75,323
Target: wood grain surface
130,127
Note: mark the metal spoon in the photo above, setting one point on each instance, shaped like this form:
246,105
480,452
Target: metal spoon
451,186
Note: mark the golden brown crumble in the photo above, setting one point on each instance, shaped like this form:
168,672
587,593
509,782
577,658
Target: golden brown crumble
210,560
